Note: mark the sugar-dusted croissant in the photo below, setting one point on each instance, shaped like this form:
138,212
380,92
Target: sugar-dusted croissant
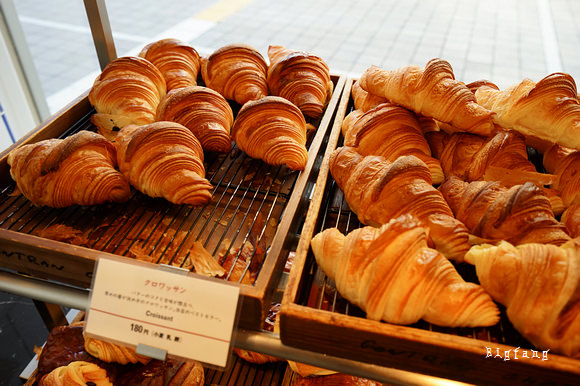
378,190
546,112
539,285
76,373
274,130
564,164
77,170
390,131
300,77
110,352
127,92
164,159
236,71
471,157
393,275
203,111
178,62
431,91
364,100
519,214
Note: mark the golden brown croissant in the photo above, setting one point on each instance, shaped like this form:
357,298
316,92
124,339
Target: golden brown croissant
390,131
547,111
127,92
178,62
77,170
378,190
539,285
564,164
431,91
203,111
274,130
471,157
110,352
519,214
164,159
571,219
394,276
76,373
364,100
236,71
300,77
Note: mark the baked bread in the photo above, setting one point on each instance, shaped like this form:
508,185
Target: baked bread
539,285
431,91
110,352
547,112
393,275
571,219
236,71
378,190
564,164
76,373
274,130
127,92
178,62
77,170
519,214
390,131
164,159
203,111
364,100
300,77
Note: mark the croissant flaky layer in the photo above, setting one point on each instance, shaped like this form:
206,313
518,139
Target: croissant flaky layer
300,77
77,170
548,111
519,214
564,163
364,100
274,130
203,111
378,190
178,62
164,159
431,91
126,92
392,274
390,131
110,352
76,373
539,285
238,72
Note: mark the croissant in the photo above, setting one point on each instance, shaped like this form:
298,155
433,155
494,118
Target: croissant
431,91
274,130
540,287
571,219
471,157
546,112
519,214
178,62
364,100
300,77
76,373
126,92
378,190
392,274
236,71
77,170
164,159
564,163
390,131
203,111
109,352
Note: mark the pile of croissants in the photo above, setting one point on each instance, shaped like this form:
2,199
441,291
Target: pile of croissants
154,123
438,172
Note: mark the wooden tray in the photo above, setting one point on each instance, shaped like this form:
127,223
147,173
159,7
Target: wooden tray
314,317
252,203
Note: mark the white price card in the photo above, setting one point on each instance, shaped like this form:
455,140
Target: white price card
185,315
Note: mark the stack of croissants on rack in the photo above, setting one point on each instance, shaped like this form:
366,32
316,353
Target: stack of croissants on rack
154,122
442,175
